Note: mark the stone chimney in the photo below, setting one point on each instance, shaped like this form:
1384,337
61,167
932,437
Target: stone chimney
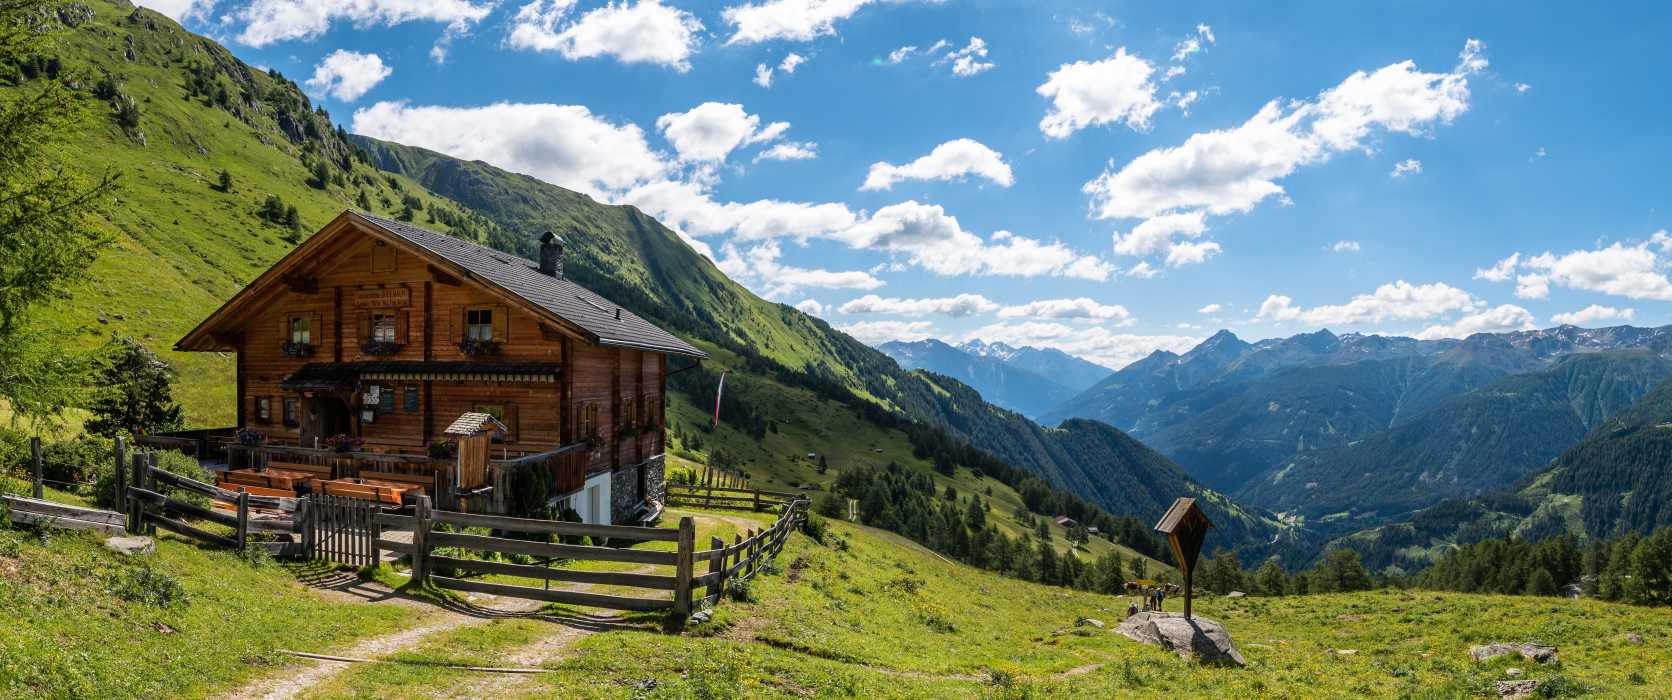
551,255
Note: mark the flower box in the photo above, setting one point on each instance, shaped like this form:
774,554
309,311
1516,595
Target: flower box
294,349
380,348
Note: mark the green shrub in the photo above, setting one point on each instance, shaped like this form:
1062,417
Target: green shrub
148,586
738,589
814,528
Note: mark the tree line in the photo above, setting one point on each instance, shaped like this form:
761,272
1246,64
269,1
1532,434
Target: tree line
1632,568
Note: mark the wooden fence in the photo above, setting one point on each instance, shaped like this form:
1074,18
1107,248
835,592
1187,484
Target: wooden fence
149,508
734,498
739,559
35,511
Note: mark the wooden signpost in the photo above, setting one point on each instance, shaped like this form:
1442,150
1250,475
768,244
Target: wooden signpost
1185,527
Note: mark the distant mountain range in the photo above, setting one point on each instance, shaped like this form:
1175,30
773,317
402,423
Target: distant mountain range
1027,380
1364,428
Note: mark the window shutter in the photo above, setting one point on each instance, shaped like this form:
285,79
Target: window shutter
316,329
400,325
511,422
364,327
456,333
501,324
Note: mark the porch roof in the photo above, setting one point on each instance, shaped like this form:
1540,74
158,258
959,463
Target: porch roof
335,375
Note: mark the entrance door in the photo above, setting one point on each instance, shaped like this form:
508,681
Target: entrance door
325,416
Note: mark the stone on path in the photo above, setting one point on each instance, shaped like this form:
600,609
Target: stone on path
1540,653
1198,638
132,545
1514,690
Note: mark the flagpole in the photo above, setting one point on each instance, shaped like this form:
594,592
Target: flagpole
717,391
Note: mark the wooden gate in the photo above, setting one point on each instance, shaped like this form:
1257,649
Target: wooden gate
343,530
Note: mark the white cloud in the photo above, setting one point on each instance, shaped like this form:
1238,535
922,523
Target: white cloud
640,32
1143,270
879,332
270,21
1633,272
1092,343
1345,247
1210,309
1232,170
1114,90
1507,317
1499,272
1172,72
1183,100
688,207
347,75
933,239
1399,301
789,20
763,72
1593,314
1190,253
789,150
954,306
1522,87
759,267
949,161
810,306
710,131
1532,286
1156,234
899,55
968,61
1537,155
1079,308
178,10
565,145
1192,45
1409,166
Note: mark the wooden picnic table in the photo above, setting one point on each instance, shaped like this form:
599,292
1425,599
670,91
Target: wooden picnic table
365,490
267,478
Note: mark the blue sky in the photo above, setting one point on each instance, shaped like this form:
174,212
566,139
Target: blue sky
1107,178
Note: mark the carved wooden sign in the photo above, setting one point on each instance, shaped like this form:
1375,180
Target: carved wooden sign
391,298
1185,527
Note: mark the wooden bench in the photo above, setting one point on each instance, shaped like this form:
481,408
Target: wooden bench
422,483
363,492
270,480
261,490
309,474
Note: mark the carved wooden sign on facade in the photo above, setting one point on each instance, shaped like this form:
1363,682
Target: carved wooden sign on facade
391,298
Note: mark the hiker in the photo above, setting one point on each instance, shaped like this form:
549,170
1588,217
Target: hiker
1160,598
1131,609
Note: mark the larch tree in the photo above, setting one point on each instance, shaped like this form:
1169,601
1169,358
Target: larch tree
49,234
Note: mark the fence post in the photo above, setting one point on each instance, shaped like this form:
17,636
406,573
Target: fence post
682,567
757,501
303,525
119,496
35,459
243,518
421,540
376,528
717,565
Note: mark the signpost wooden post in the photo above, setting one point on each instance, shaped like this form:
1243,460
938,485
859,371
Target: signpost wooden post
1185,527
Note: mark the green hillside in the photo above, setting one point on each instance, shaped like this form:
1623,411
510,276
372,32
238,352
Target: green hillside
1476,442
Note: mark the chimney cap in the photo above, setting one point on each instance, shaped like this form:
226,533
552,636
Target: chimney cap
550,237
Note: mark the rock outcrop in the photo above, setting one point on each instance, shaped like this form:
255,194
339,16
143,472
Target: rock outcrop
1540,653
1197,638
133,545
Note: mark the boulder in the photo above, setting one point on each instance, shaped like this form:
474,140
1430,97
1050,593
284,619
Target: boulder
1539,653
135,545
1514,690
1082,622
1634,638
1197,638
1235,594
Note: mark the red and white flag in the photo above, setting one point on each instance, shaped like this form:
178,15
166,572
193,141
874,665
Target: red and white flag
717,391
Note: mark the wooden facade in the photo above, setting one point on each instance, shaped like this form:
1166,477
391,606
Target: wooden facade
381,331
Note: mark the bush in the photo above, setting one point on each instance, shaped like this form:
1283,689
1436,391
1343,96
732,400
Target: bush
814,528
104,488
738,589
148,586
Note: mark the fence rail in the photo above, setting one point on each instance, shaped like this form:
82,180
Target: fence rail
726,497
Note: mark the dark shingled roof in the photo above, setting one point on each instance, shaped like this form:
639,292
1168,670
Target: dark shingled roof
610,324
1175,516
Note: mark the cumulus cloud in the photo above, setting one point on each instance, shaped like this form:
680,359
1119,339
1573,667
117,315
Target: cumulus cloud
269,21
178,10
565,145
712,130
969,61
879,332
934,240
954,306
952,160
641,32
689,207
1192,45
759,268
1155,235
1345,247
1092,343
1080,308
789,150
1631,271
789,20
810,306
347,75
1190,253
1522,87
1507,317
1593,314
1399,301
1232,170
1114,90
900,55
1210,309
763,72
1409,166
